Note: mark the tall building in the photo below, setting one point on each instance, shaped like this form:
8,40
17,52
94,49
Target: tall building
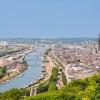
99,43
3,43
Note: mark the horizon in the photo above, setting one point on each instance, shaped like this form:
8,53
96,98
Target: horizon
48,38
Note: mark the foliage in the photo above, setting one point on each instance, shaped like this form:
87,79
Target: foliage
42,88
64,80
51,84
52,87
54,75
47,51
14,94
2,71
83,89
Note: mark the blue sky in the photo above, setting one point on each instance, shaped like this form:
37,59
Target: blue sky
49,18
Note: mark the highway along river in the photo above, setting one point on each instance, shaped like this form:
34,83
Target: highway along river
32,73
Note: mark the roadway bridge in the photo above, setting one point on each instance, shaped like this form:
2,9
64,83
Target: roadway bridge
35,58
34,65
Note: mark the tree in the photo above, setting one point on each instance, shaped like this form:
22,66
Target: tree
42,88
52,87
64,80
54,75
2,71
14,94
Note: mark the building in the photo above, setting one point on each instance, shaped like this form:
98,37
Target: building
99,43
3,62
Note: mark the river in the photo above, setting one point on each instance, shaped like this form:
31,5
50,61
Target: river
32,73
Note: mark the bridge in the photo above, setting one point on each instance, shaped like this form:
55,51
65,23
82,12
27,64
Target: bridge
37,58
34,65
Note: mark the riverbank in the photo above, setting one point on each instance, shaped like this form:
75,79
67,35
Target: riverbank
16,72
46,73
37,72
12,74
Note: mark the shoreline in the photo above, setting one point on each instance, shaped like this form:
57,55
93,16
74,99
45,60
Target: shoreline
16,73
46,73
44,76
11,76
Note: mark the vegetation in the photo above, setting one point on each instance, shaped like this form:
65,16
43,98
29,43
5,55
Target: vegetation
2,71
47,51
97,90
54,75
83,89
51,84
52,87
42,88
64,80
14,94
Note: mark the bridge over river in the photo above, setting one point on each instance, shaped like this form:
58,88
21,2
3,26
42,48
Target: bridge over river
34,60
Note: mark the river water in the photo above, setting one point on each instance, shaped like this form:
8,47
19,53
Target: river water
32,73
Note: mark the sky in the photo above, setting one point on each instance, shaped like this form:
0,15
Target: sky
49,18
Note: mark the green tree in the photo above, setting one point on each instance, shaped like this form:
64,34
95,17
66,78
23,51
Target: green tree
54,75
42,88
64,80
52,87
14,94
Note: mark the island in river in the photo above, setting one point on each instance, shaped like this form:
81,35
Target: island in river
12,61
34,69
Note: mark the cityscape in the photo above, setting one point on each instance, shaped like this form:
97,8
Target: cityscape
49,49
73,60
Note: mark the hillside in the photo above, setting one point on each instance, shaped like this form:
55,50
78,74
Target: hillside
84,89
